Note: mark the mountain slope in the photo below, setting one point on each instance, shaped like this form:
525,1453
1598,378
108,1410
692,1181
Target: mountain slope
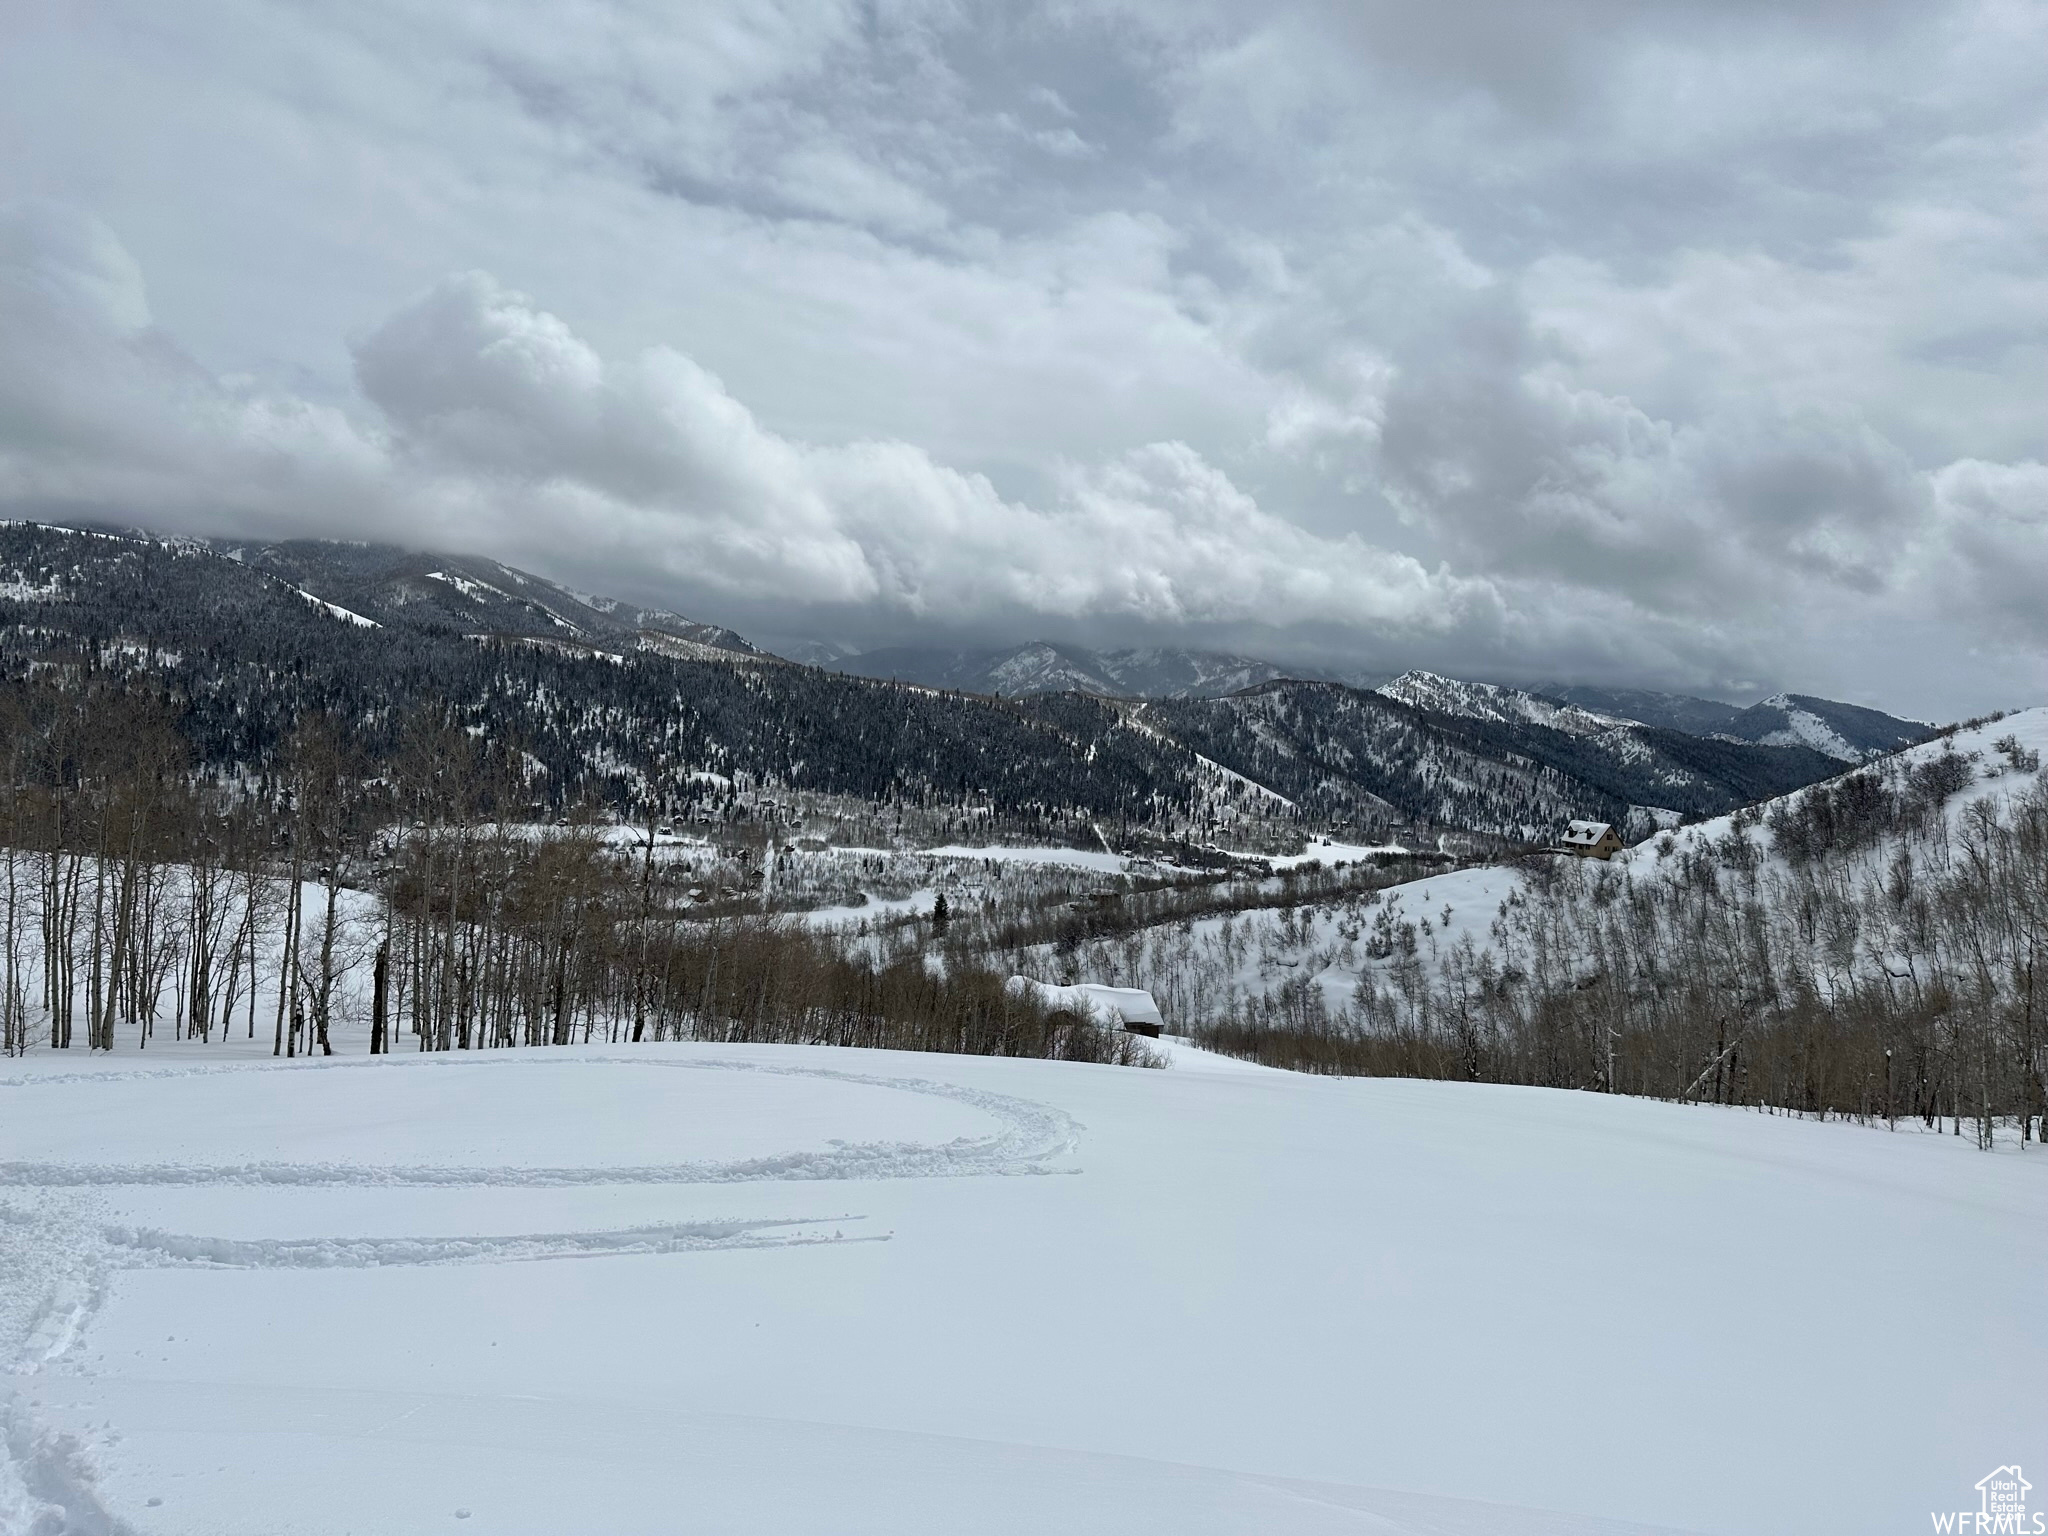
1041,666
1490,701
1348,753
1839,732
1846,732
464,595
241,654
1636,764
578,699
1838,864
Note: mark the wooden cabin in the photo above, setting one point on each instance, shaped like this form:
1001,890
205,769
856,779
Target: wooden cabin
1591,840
1130,1009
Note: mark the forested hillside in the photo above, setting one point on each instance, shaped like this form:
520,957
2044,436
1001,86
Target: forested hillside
1043,667
578,700
1870,946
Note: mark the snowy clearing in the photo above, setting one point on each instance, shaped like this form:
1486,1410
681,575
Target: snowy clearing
1070,858
336,611
875,909
768,1289
1334,855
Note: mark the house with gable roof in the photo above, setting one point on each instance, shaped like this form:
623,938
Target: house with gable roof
1591,840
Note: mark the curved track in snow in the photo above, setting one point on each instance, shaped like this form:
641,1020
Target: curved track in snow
1031,1134
373,1252
57,1252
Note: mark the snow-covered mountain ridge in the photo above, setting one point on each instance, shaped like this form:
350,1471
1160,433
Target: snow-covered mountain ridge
1491,701
607,700
407,588
1848,733
1840,730
1042,666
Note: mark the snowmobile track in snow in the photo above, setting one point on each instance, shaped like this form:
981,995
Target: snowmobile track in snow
373,1252
55,1259
1032,1134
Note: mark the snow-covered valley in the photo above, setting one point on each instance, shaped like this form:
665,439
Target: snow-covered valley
593,1221
1023,768
719,1288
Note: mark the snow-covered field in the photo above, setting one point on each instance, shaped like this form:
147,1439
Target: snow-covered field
1323,850
1070,858
703,1288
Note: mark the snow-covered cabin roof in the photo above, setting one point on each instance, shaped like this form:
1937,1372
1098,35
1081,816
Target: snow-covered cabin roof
1114,1006
1586,834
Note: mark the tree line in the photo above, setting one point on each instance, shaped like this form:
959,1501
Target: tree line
145,895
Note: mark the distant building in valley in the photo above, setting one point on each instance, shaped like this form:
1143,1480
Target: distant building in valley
1127,1008
1592,840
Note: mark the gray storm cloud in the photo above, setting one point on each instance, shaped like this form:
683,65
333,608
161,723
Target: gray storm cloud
498,427
1695,346
489,399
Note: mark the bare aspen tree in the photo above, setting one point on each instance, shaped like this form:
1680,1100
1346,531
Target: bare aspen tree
323,775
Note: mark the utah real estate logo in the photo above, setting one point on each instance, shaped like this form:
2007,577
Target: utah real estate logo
2003,1509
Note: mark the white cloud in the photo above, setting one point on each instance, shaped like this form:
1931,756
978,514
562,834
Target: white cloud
500,429
656,460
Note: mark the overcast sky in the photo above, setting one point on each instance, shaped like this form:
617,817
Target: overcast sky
1698,345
